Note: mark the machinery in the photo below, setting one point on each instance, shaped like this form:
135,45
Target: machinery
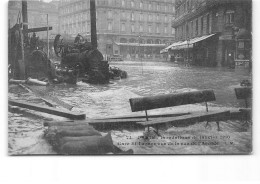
82,58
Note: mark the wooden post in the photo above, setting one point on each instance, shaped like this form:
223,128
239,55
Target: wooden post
21,62
93,24
24,39
25,19
48,53
146,115
207,109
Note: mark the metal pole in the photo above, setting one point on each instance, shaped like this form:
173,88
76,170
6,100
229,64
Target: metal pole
48,53
93,24
140,53
188,58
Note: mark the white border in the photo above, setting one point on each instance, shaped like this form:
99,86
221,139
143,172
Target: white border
136,169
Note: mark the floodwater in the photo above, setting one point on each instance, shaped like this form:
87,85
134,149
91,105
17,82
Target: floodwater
144,79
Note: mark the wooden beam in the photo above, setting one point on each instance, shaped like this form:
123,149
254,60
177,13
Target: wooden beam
94,122
38,29
204,116
43,95
170,100
46,101
115,120
142,116
93,21
49,110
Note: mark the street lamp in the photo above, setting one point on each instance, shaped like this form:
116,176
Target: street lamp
188,54
140,50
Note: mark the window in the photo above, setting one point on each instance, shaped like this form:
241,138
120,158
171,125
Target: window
141,5
187,30
123,15
243,50
165,29
132,16
123,27
229,17
165,19
150,17
196,27
123,3
202,25
141,17
132,4
132,28
88,28
191,29
173,30
158,7
109,14
150,6
157,29
141,28
109,26
208,25
149,28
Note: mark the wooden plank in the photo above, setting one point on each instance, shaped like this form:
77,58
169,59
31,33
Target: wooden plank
243,93
47,102
170,100
49,110
38,29
246,110
93,121
47,97
142,116
13,81
192,117
109,121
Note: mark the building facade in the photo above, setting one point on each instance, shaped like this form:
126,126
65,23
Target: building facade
130,28
212,32
37,15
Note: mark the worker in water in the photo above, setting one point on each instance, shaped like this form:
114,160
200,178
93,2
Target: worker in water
231,61
33,42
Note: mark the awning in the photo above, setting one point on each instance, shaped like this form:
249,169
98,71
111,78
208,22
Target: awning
140,45
185,44
170,46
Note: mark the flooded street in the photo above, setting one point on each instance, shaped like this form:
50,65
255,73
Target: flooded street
100,101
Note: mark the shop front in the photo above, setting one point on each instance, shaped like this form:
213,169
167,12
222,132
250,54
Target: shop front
199,51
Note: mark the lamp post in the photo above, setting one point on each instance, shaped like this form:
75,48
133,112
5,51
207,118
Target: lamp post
188,54
140,51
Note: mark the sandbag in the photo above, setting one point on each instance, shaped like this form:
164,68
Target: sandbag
54,133
77,132
64,127
86,145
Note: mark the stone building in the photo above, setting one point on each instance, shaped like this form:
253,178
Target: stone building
212,32
129,28
37,15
